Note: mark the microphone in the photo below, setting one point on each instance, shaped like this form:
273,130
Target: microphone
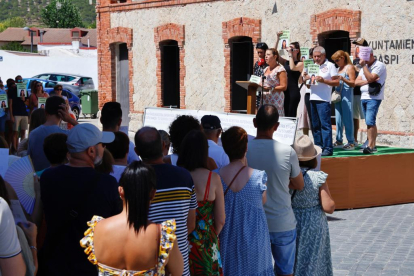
259,98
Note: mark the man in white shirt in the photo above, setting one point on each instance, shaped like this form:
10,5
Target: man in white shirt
282,167
320,100
212,128
372,72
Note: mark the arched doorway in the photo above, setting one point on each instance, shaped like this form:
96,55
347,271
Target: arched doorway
241,67
170,73
333,41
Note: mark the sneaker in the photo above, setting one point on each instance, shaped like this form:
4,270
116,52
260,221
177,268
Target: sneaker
338,145
368,150
327,153
349,146
364,145
374,149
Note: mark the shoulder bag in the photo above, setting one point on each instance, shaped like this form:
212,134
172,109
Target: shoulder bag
336,95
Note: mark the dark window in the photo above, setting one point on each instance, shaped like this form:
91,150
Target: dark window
334,41
50,84
241,67
170,73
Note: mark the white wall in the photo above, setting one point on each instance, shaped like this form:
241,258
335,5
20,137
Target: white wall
29,66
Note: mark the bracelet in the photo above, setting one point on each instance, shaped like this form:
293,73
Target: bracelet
33,247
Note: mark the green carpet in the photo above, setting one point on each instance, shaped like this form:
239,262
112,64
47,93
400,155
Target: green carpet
382,150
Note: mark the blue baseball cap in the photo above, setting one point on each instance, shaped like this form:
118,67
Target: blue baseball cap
83,136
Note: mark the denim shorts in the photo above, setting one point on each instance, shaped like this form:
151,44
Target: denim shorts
370,109
284,250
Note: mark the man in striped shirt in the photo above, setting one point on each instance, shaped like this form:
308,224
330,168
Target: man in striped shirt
175,197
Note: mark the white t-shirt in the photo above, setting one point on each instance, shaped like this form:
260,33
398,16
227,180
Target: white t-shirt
280,163
117,171
9,245
380,70
322,91
217,154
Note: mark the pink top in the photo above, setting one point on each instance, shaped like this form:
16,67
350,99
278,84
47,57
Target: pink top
272,79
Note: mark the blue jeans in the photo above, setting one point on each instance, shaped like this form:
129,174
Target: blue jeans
284,251
344,116
321,124
370,109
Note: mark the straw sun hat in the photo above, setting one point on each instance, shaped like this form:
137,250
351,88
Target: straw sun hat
305,149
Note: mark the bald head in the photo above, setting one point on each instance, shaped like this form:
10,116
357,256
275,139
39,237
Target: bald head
148,144
267,117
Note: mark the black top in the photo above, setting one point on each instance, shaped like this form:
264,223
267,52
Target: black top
19,107
292,78
259,70
61,190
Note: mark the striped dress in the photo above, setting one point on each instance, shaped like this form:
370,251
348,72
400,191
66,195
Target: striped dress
175,196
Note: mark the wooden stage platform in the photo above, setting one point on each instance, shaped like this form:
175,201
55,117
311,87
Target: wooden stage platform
357,180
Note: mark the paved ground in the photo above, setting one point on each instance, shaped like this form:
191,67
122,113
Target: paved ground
373,241
369,242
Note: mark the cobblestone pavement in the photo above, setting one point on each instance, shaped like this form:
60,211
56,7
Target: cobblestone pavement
373,241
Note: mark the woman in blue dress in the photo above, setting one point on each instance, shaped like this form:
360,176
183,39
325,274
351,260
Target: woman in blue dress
244,240
313,248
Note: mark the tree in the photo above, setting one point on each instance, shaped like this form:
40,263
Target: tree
12,22
14,46
61,15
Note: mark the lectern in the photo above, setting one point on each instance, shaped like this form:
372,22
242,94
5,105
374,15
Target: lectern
251,88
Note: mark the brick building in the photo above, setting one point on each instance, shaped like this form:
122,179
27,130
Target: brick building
188,53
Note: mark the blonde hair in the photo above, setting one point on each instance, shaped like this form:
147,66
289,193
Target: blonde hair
344,54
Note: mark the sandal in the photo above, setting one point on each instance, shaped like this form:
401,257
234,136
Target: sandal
349,146
338,144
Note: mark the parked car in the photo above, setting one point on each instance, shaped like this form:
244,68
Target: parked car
74,101
74,83
48,86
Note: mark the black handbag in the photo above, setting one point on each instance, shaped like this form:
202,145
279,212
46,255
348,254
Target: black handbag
374,88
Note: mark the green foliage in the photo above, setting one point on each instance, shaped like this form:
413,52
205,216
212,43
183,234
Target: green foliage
12,22
67,16
14,46
12,8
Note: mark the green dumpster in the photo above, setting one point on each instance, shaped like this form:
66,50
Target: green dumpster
89,101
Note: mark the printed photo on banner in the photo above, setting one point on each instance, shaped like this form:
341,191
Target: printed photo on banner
41,102
304,54
357,52
3,101
21,90
364,53
313,72
284,40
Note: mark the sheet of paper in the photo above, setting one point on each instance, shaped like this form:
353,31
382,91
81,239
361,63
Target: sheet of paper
304,54
284,40
4,161
364,53
17,211
313,72
3,101
41,102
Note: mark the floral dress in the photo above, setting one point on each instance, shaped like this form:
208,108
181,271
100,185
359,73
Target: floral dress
204,254
273,97
167,238
313,248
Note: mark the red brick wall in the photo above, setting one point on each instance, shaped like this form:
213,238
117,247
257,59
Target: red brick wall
336,20
108,38
241,26
175,32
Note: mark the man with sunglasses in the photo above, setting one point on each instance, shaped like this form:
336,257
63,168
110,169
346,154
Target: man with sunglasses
18,113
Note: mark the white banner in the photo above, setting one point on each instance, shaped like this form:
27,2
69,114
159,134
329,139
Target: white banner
161,118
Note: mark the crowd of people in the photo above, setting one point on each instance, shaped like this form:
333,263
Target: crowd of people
218,204
205,209
358,86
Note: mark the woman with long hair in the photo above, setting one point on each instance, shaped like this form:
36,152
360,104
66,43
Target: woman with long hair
293,67
128,243
344,108
204,243
245,240
36,93
276,81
